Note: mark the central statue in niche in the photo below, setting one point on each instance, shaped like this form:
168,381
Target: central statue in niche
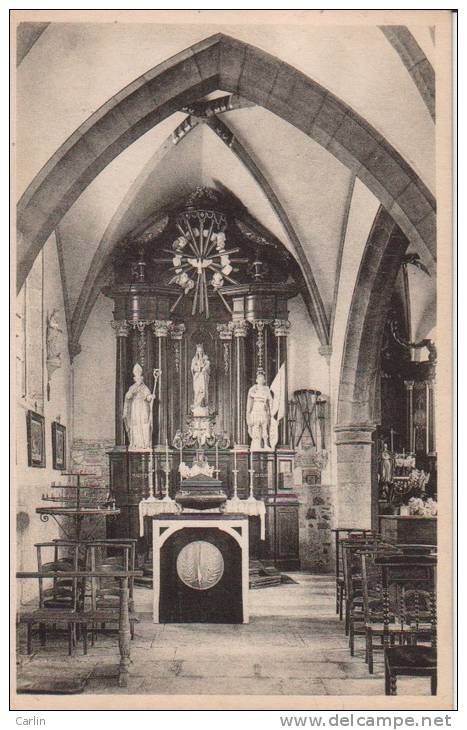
200,371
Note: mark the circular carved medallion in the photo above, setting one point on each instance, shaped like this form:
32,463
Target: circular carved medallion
200,565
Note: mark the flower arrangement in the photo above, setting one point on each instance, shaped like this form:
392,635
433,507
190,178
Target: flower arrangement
422,508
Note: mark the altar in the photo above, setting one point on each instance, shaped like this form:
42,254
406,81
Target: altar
201,373
200,568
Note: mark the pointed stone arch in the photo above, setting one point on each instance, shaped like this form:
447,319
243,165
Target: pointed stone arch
97,271
221,62
358,406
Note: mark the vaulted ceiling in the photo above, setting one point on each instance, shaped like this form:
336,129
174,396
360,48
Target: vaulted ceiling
289,181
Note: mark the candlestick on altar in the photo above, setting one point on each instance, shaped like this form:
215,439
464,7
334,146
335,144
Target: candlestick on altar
181,460
167,469
235,485
252,473
251,495
151,476
235,462
166,496
217,456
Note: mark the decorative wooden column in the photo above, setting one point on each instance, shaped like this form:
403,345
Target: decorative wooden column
121,329
431,417
240,329
281,330
141,350
261,358
225,332
161,330
175,379
410,429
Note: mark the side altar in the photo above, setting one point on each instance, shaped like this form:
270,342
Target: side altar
201,325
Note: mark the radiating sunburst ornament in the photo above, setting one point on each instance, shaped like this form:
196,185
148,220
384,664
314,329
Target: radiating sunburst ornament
200,258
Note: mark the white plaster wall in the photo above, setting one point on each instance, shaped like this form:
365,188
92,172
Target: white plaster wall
94,376
307,368
32,482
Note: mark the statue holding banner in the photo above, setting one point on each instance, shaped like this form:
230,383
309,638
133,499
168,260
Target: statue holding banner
258,414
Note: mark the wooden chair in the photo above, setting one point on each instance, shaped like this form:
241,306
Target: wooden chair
410,661
354,617
61,600
105,592
341,534
87,616
373,608
413,579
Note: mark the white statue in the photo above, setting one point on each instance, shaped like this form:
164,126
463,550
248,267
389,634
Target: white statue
137,412
258,413
200,370
53,334
386,466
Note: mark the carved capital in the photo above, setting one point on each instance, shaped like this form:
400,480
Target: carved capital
260,324
177,331
121,327
240,328
326,352
139,324
225,330
281,327
161,327
409,384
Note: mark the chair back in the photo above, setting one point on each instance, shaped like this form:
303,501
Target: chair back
372,580
123,557
409,591
343,534
58,556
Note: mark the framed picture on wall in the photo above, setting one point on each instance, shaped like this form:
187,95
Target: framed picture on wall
35,424
58,446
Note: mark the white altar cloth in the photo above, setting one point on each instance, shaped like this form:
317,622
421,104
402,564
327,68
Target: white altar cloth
152,506
251,507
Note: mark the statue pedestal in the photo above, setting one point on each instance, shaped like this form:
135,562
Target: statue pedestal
129,484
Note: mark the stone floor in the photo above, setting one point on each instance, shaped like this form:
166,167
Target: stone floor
293,645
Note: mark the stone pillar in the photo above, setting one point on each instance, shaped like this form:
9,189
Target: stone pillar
161,330
281,330
354,484
240,387
121,329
